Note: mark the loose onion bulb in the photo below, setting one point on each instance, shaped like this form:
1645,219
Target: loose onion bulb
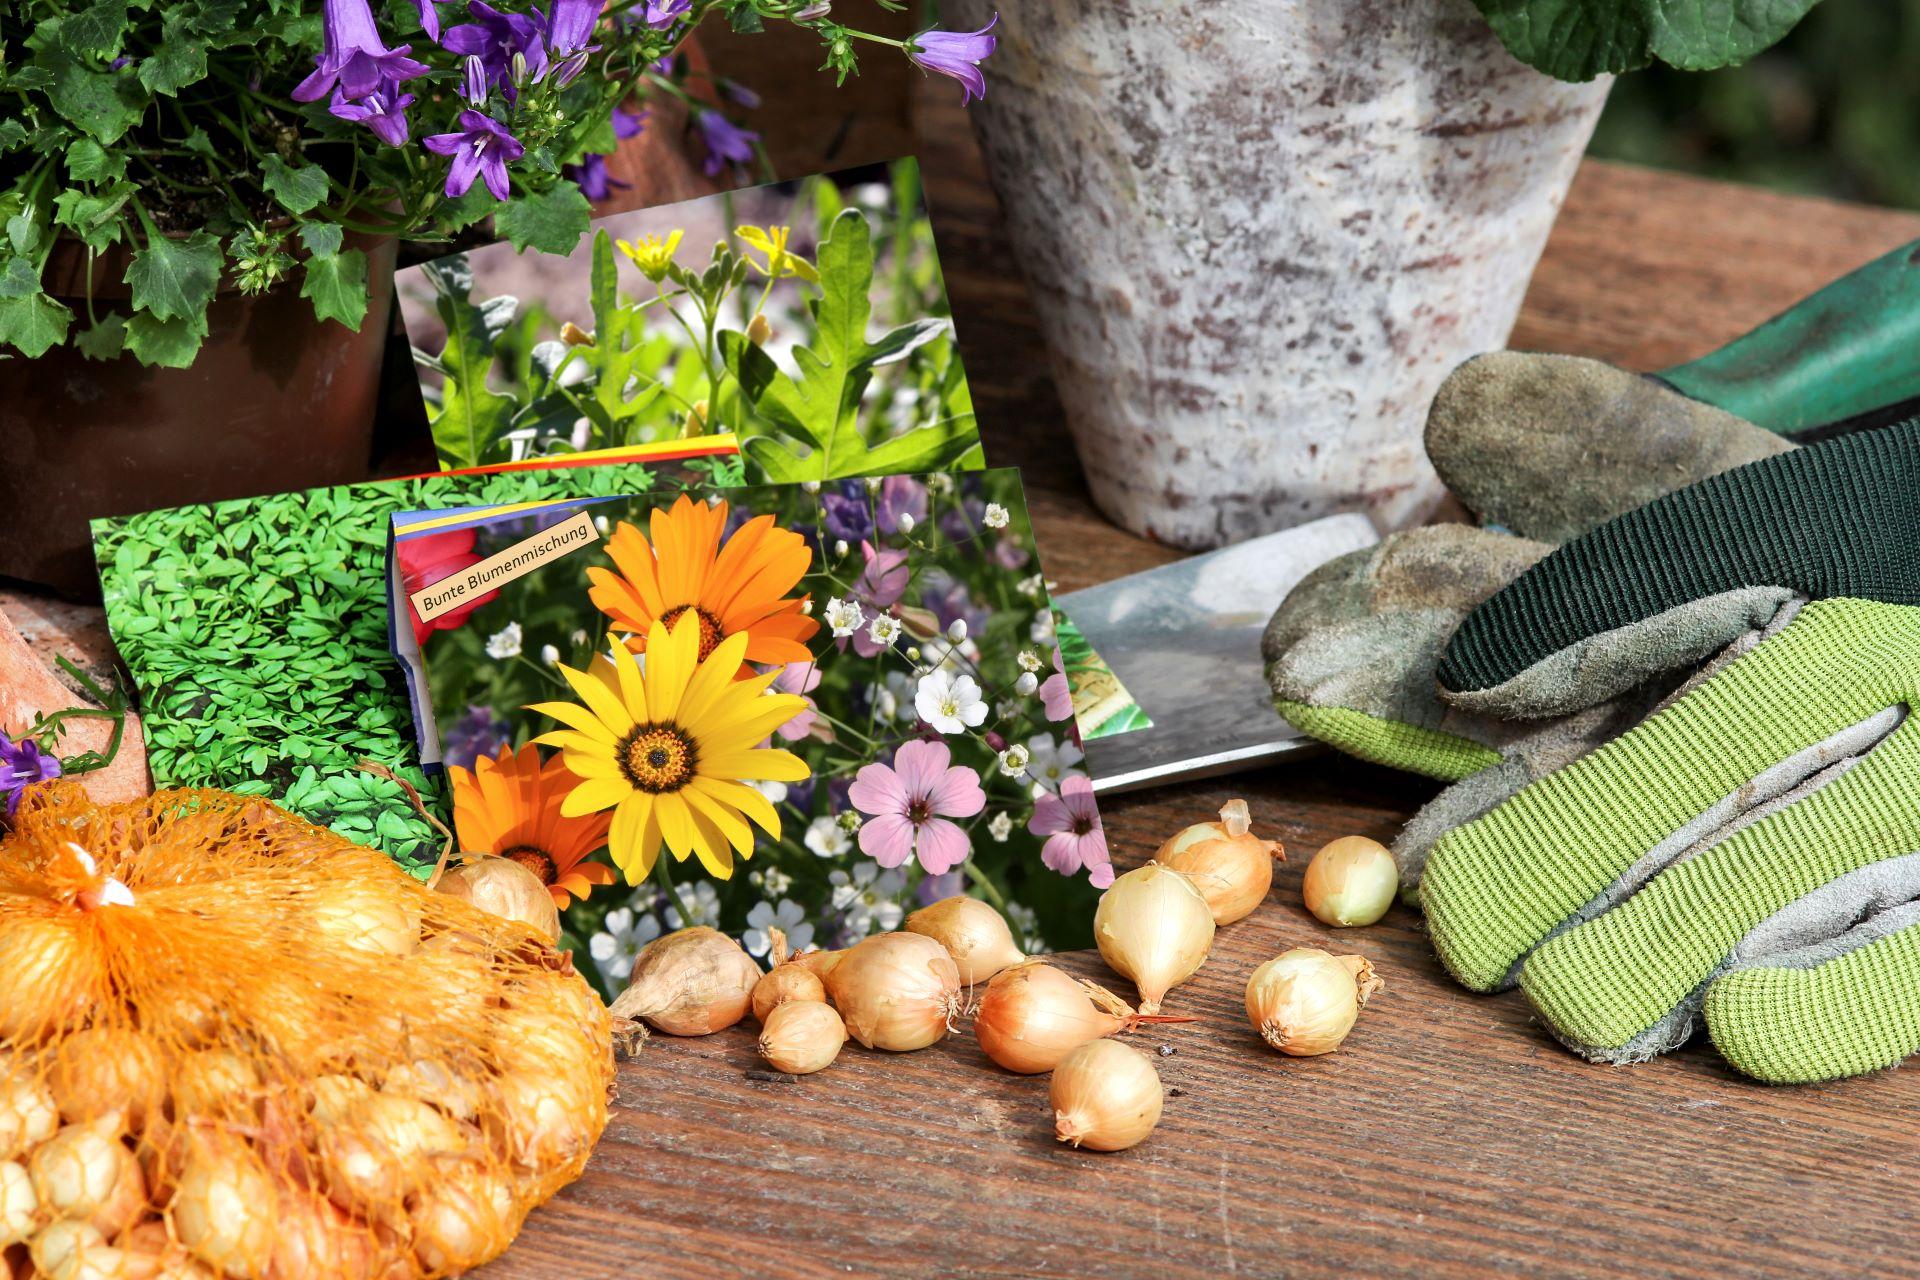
1033,1015
785,982
896,991
223,1207
1303,1002
818,963
1105,1096
77,1171
505,888
28,1116
802,1036
974,934
1351,881
19,1206
1153,926
1230,866
692,982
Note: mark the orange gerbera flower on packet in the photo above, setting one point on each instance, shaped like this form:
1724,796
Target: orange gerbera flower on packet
733,588
509,806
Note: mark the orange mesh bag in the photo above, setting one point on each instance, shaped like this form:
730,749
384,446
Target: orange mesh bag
234,1044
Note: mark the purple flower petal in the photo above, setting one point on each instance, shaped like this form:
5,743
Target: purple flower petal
957,54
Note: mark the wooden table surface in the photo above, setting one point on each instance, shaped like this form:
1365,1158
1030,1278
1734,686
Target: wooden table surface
1449,1137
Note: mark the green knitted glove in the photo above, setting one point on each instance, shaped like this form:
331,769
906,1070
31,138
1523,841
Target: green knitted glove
1672,582
1751,854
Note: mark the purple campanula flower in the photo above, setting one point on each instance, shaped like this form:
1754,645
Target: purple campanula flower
474,85
494,37
727,143
481,149
932,889
591,176
120,63
569,25
429,18
664,13
740,94
355,61
21,764
957,54
382,111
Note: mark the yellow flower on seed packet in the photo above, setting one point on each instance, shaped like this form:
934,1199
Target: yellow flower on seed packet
772,241
652,255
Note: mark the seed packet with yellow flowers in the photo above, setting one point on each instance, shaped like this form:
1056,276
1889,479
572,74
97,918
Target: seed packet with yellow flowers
787,707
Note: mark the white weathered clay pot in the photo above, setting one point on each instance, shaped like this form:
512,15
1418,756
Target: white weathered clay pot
1260,232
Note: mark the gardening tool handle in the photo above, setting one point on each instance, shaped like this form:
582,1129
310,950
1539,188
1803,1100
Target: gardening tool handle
1845,352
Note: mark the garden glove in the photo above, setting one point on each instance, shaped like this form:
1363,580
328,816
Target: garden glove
1750,854
1352,651
1673,582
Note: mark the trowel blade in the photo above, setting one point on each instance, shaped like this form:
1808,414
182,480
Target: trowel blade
1185,641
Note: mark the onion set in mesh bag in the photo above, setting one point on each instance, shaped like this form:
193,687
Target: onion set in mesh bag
233,1044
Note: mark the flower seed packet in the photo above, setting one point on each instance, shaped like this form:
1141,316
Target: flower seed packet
809,319
255,632
765,707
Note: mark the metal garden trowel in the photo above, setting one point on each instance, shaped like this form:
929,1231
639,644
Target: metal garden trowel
1184,640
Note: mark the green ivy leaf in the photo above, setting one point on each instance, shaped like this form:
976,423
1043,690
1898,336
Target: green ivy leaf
337,284
550,221
19,278
322,239
298,189
12,134
104,104
169,344
33,324
180,59
175,278
95,29
88,161
105,340
23,232
92,216
1581,39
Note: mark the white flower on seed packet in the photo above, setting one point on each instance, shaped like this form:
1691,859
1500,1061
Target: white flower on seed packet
504,643
1026,684
615,949
549,654
775,792
697,904
949,702
1028,660
789,918
884,629
996,517
827,838
1031,585
866,897
844,616
904,522
1013,761
772,879
1042,629
1052,763
1000,826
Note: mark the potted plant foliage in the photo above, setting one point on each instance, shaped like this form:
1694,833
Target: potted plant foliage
200,202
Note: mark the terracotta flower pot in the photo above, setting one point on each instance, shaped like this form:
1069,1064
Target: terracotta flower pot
276,400
1260,232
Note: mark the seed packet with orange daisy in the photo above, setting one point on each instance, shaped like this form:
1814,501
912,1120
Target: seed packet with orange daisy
795,708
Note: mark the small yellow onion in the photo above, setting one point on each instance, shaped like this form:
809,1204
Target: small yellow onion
1154,927
1351,881
103,1069
50,973
1033,1015
1105,1096
1303,1002
223,1207
431,1080
818,963
974,934
214,1082
539,1120
315,1237
896,991
692,982
151,1254
62,1244
504,888
80,1169
540,1035
1230,866
366,918
802,1036
379,1151
789,981
19,1206
463,1218
28,1115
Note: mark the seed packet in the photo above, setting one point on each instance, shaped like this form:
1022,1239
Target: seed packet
757,707
808,318
255,632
